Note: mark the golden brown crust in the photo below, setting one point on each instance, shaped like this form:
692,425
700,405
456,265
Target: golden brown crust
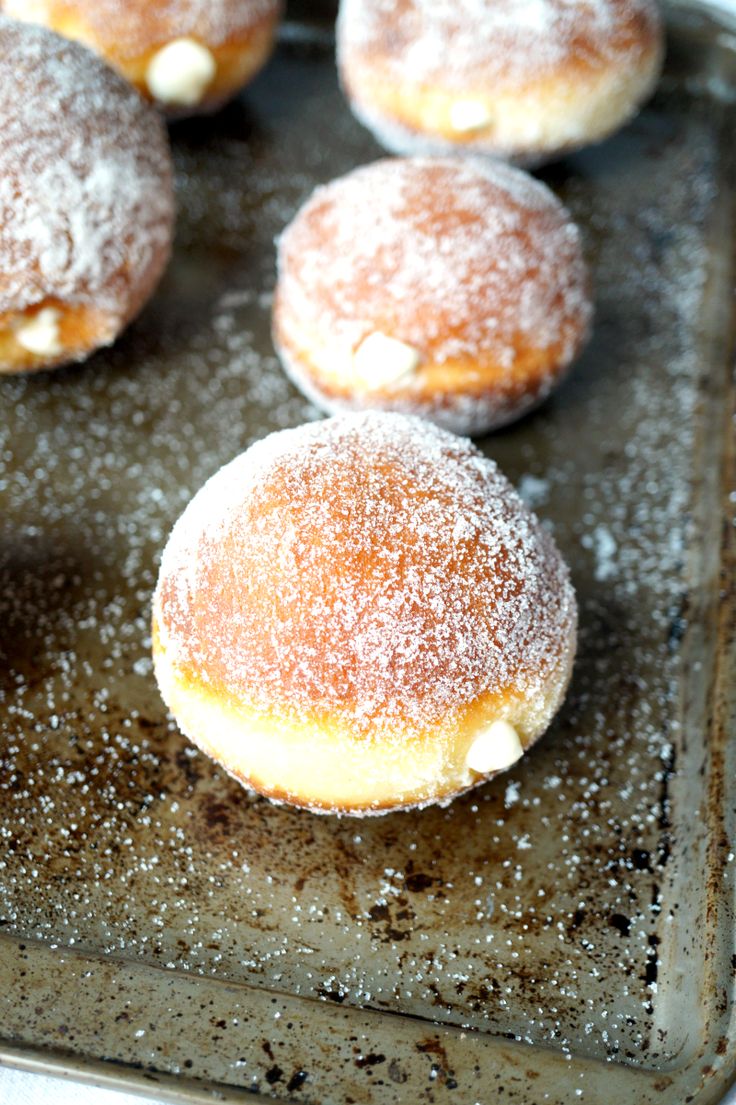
274,509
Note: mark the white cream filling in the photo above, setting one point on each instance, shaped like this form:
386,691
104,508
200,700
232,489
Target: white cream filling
181,72
469,115
494,749
40,335
380,360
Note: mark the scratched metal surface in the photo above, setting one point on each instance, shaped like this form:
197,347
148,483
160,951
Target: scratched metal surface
566,928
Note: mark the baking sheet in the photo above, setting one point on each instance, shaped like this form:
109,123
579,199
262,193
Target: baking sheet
567,927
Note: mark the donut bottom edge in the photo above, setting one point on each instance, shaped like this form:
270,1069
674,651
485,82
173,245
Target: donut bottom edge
466,405
526,126
327,769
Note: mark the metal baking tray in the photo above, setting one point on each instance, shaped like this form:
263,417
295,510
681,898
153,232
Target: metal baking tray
564,933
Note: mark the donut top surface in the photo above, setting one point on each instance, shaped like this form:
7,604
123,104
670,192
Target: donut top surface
457,42
132,28
85,176
457,258
371,569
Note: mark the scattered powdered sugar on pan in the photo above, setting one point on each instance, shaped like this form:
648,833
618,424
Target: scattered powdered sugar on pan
131,28
459,42
85,177
371,567
533,490
550,905
455,258
604,548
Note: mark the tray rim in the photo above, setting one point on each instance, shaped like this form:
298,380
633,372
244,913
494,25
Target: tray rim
109,1073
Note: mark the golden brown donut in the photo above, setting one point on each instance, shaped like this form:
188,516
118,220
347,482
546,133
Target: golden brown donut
360,614
524,80
450,288
86,200
186,55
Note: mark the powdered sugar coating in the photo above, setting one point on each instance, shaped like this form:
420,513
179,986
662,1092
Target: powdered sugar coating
371,568
134,27
459,259
86,204
494,43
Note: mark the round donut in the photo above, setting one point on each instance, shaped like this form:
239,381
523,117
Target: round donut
524,80
451,288
188,56
86,200
360,615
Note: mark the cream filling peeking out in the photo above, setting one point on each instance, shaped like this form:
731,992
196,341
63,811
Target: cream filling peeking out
380,361
494,749
181,72
469,115
40,335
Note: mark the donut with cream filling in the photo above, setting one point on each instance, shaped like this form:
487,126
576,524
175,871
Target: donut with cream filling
86,200
525,80
360,615
450,288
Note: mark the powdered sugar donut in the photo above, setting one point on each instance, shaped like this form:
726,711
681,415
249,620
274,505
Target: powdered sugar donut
360,615
186,55
450,288
86,202
520,79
